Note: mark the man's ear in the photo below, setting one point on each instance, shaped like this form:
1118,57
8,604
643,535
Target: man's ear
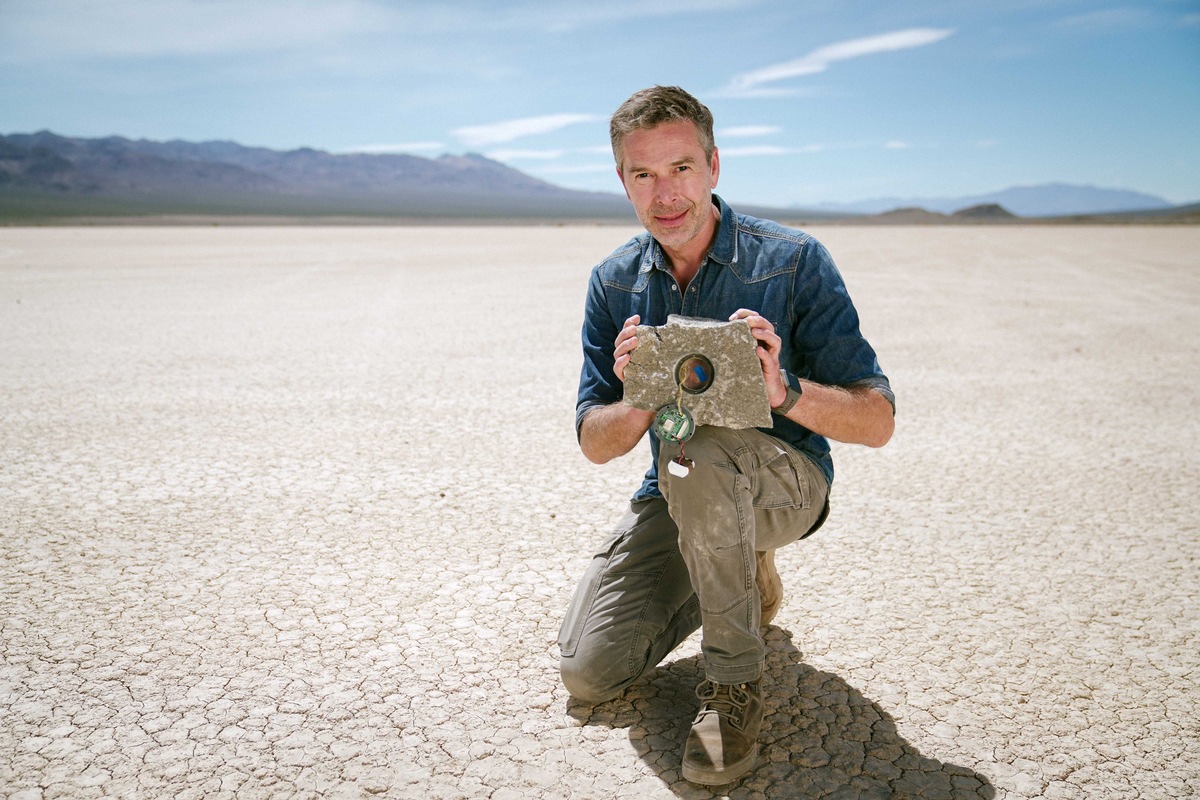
715,169
621,177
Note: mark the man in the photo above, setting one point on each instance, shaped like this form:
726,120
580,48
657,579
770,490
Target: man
697,550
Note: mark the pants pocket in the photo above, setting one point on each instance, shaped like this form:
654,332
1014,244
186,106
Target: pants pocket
816,526
782,483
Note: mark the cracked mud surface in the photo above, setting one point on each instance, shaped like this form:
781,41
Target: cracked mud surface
296,513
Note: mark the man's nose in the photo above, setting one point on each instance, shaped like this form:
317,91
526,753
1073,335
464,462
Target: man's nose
665,190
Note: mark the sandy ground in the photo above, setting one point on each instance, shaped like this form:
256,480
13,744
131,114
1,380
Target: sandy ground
295,512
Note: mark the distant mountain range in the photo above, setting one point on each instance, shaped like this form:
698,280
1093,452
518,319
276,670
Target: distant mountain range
44,174
47,176
1049,200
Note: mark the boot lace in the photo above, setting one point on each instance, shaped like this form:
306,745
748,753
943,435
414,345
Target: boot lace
725,700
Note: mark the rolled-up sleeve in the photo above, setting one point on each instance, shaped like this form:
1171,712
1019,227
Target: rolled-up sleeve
827,342
598,385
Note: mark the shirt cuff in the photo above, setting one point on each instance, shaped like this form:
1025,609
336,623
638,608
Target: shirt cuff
581,411
880,385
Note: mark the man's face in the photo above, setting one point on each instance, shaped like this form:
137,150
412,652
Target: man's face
669,182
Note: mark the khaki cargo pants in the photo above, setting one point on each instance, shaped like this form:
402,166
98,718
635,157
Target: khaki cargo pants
673,565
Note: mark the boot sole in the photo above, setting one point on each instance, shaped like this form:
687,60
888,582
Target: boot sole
709,777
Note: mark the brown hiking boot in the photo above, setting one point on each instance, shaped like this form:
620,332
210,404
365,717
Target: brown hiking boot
770,587
723,743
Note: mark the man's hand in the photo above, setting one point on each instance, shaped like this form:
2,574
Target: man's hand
626,341
856,415
769,345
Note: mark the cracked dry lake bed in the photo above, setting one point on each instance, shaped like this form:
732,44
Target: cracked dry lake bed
295,512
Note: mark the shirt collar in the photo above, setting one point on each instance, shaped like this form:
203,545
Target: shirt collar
724,246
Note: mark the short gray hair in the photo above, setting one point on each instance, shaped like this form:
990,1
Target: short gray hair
652,107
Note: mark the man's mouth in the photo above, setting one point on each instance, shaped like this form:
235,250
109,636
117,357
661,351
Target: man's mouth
670,218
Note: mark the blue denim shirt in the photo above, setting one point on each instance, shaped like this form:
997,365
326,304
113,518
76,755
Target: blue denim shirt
785,275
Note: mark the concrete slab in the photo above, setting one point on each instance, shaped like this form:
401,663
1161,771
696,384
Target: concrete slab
708,367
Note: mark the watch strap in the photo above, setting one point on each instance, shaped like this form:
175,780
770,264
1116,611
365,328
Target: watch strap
794,391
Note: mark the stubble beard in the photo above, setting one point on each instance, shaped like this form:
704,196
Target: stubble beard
674,237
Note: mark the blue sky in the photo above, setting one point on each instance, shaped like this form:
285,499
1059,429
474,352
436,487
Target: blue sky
815,101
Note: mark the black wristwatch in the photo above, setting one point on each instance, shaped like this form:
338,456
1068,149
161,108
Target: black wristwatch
794,390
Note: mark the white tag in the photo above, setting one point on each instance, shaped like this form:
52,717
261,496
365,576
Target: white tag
680,467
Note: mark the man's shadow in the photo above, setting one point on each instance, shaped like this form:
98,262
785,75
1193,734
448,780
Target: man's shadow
820,737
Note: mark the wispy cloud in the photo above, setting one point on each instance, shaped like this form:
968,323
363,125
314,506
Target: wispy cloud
747,131
150,28
402,147
757,82
896,145
508,130
58,29
768,150
580,169
571,16
524,155
1108,19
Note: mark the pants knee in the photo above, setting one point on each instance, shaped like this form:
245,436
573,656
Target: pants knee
586,685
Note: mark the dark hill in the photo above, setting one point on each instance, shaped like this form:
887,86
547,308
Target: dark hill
911,216
991,212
